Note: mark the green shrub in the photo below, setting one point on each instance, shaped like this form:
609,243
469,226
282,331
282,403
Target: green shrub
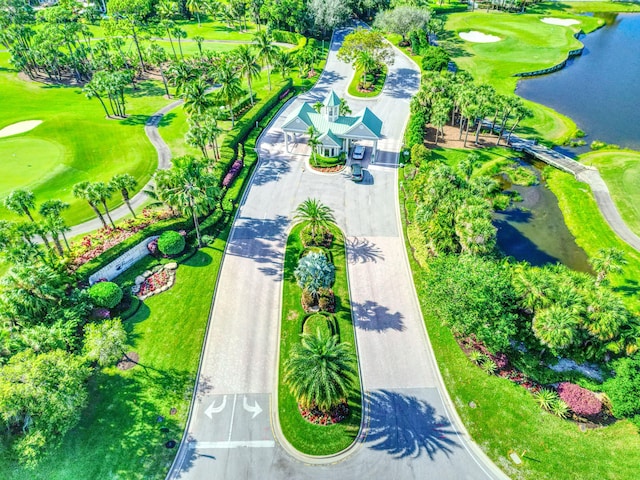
171,243
317,323
546,398
624,389
105,294
435,59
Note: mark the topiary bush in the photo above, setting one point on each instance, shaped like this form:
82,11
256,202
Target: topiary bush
105,294
580,400
171,243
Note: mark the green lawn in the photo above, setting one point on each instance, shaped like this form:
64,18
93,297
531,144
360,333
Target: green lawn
377,81
526,44
75,142
304,436
620,169
119,435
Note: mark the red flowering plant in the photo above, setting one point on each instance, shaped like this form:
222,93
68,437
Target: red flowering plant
581,401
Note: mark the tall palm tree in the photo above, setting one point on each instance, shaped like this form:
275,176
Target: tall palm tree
21,202
530,285
605,314
212,132
313,142
366,62
198,39
182,74
555,327
607,261
283,62
320,371
52,210
230,88
316,213
267,51
124,182
196,98
156,55
521,113
83,191
190,187
247,65
102,192
180,34
194,6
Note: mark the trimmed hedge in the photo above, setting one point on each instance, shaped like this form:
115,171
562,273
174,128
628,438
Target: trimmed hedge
171,243
105,294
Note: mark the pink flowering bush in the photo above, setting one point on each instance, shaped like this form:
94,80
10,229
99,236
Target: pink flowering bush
580,400
99,242
233,173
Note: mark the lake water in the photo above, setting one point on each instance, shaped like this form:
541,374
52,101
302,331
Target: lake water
534,229
599,90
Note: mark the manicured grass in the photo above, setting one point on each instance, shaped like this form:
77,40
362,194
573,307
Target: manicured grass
377,81
74,143
507,419
620,169
584,7
586,223
526,44
119,434
304,436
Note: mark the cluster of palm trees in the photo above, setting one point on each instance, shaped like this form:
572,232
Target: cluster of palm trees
456,99
574,316
320,371
99,193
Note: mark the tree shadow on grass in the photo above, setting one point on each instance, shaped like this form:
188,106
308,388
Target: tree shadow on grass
146,88
631,288
405,426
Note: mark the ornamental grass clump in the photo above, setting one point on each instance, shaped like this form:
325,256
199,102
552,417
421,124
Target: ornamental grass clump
580,400
105,294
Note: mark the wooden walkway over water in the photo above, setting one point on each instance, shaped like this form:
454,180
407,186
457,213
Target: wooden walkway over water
583,173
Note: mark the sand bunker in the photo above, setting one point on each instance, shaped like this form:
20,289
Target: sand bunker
478,37
565,22
19,127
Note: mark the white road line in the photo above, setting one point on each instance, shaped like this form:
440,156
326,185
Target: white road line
233,411
236,444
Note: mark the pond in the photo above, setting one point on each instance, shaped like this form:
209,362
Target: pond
534,229
598,90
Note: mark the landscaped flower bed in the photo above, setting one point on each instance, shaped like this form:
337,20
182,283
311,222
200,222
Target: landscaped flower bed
318,417
155,281
99,242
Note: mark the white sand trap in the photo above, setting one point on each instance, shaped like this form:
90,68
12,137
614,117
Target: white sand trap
565,22
19,127
478,37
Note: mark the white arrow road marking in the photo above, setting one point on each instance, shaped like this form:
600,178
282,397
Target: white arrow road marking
256,410
211,409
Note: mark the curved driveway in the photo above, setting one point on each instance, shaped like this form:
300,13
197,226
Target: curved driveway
408,432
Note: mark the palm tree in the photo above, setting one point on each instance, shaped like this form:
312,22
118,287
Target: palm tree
320,371
124,182
180,34
190,187
247,65
521,112
212,131
555,327
196,98
102,192
283,62
315,213
230,87
607,261
266,51
198,39
83,191
181,75
344,108
365,62
530,285
318,106
156,55
194,6
606,314
313,141
21,202
196,137
52,210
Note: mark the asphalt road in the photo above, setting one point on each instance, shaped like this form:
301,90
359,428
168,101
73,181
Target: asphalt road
409,431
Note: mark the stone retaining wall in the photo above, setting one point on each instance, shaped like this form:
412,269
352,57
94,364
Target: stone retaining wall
123,262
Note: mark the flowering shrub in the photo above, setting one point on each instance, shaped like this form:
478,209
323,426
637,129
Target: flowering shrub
318,417
152,246
580,400
233,172
155,283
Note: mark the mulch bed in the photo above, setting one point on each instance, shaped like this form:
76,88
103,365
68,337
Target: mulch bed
128,361
335,168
